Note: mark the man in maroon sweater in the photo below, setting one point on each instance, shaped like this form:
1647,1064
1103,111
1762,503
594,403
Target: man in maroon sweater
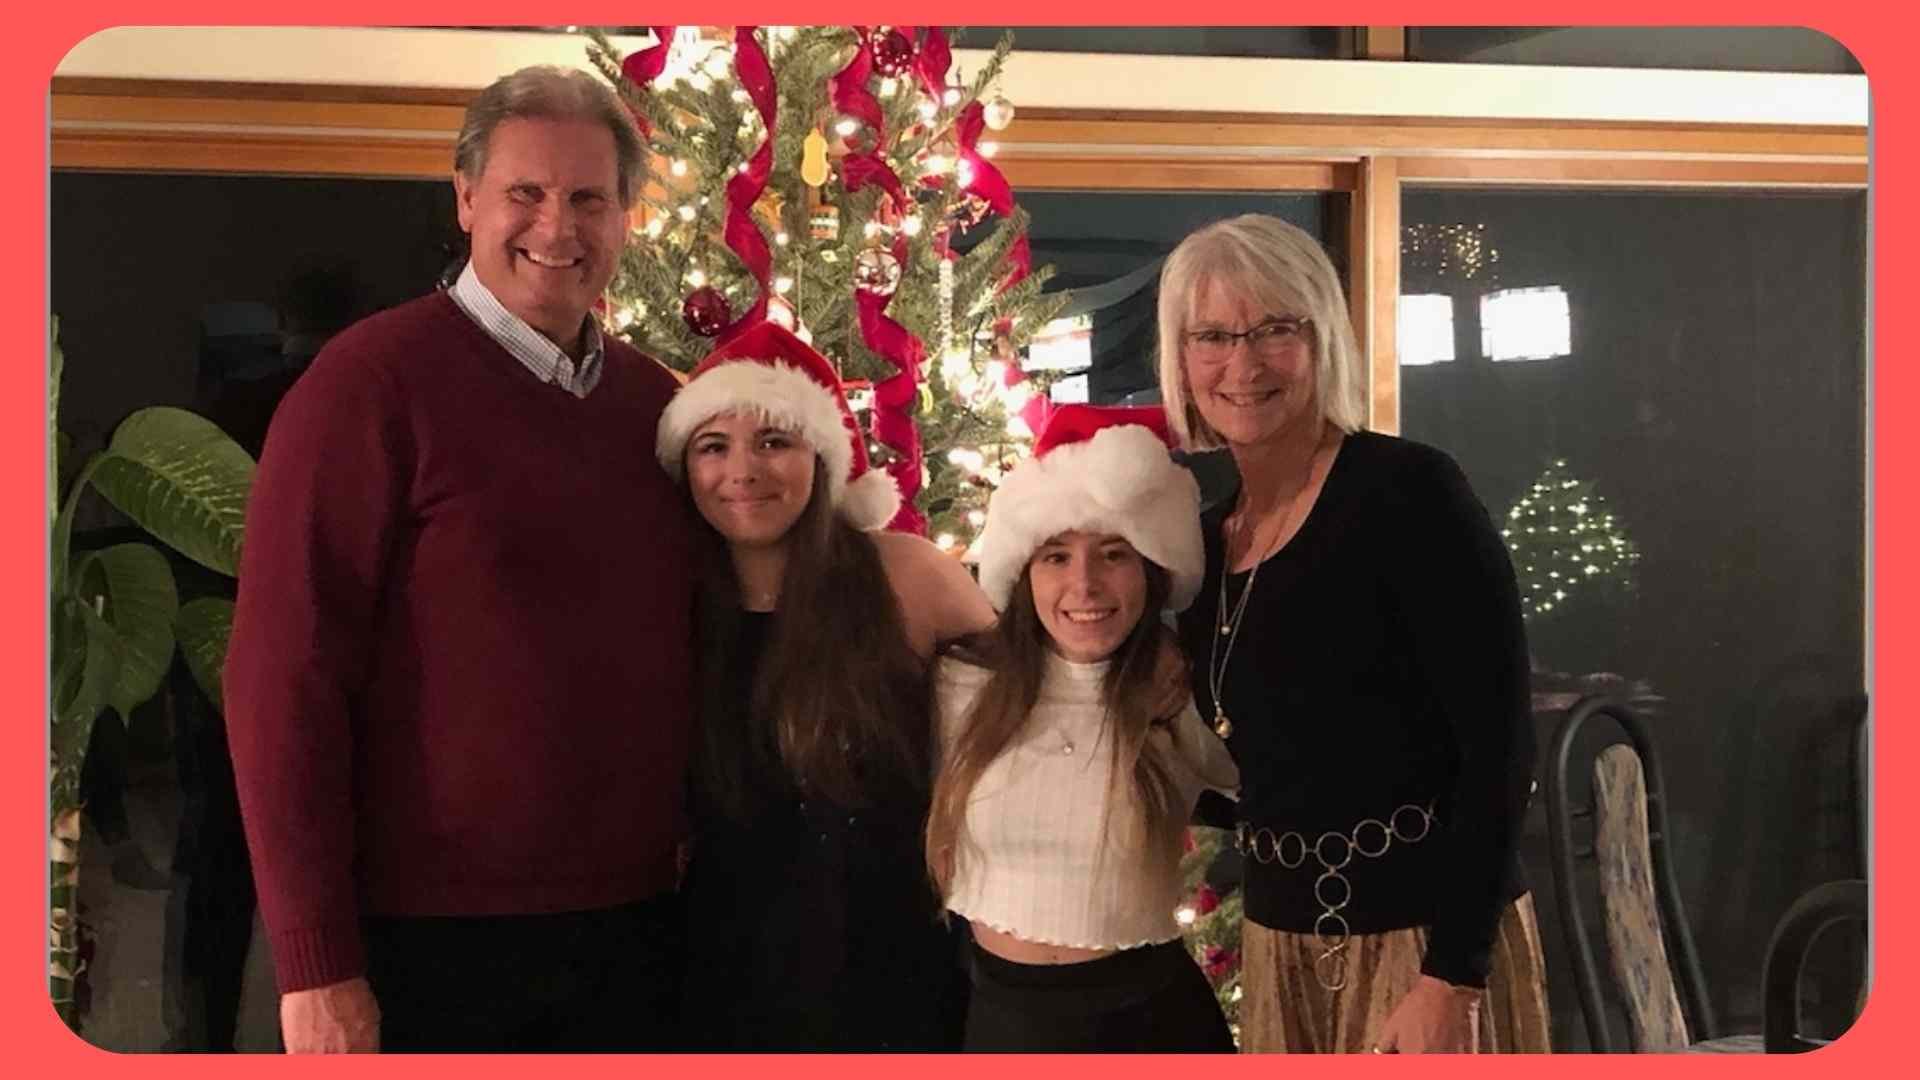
459,681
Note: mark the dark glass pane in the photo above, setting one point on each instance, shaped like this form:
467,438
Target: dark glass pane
1109,246
1669,390
176,290
1709,48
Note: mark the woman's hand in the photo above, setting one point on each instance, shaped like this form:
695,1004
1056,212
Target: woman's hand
1435,1017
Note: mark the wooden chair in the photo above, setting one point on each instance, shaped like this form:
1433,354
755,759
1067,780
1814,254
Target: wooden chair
1825,905
1652,961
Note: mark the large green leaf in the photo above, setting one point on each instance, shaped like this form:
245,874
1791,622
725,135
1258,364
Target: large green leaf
203,628
183,480
84,666
128,599
83,663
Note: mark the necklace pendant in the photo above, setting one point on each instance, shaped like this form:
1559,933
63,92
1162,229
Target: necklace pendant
1225,629
1067,749
1222,726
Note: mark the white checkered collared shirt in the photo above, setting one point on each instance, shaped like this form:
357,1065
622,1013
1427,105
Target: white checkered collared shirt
548,362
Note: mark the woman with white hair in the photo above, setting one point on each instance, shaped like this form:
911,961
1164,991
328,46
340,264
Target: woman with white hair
1358,642
1066,782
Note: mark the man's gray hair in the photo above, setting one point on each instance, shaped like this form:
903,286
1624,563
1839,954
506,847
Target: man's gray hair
549,92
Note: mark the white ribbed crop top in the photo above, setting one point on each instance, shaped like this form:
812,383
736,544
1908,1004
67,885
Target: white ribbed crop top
1034,868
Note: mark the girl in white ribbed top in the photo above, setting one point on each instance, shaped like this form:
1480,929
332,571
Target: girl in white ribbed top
1061,800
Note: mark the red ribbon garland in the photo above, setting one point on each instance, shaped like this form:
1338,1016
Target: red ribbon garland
988,182
934,58
848,89
894,397
850,97
742,233
645,66
859,170
1020,258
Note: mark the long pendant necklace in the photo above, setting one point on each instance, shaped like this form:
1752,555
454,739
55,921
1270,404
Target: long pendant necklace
1229,628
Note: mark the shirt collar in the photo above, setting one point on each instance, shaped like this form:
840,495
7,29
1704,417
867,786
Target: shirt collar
539,355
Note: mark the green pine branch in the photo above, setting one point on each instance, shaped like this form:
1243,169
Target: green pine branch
701,134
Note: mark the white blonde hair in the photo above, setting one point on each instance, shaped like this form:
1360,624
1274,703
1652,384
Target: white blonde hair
1281,269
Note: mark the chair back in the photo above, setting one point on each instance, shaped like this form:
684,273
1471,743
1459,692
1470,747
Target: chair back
1636,949
1823,906
1653,964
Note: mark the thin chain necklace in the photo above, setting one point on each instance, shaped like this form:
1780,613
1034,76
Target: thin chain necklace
1229,629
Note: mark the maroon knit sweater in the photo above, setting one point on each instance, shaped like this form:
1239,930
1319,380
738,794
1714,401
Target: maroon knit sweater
459,681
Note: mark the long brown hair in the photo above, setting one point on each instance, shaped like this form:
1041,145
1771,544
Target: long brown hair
1015,651
838,698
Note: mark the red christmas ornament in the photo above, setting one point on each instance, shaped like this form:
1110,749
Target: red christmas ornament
1218,963
1205,900
892,53
706,311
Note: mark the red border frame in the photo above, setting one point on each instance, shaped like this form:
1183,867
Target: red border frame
44,35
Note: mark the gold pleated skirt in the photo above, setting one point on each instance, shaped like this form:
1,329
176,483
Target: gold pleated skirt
1285,1009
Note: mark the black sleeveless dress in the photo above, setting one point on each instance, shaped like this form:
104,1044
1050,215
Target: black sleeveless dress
812,926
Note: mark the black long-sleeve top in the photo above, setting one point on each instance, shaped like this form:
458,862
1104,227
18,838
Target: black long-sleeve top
1381,661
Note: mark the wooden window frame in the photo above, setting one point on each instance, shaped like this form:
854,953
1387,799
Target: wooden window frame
160,125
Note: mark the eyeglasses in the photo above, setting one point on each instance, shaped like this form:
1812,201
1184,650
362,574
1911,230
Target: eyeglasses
1270,338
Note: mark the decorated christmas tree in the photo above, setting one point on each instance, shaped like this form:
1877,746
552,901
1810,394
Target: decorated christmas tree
1212,917
837,179
1565,543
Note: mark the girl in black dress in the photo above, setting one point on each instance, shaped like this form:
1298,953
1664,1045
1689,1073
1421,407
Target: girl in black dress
812,925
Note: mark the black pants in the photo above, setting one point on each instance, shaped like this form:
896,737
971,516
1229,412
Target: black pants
1152,999
598,981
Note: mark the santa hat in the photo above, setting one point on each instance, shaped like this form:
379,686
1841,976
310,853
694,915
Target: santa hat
768,372
1098,470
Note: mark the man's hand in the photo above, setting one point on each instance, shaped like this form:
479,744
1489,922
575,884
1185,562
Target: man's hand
1435,1017
340,1018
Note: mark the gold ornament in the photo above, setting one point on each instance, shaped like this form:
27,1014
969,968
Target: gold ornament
813,158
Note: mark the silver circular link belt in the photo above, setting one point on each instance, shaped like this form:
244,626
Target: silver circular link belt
1371,838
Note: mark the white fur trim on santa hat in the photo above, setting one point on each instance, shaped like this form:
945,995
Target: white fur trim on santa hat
1121,481
870,501
780,394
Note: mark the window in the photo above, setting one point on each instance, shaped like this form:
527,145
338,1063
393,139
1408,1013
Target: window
1425,333
1683,497
1525,324
1107,247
